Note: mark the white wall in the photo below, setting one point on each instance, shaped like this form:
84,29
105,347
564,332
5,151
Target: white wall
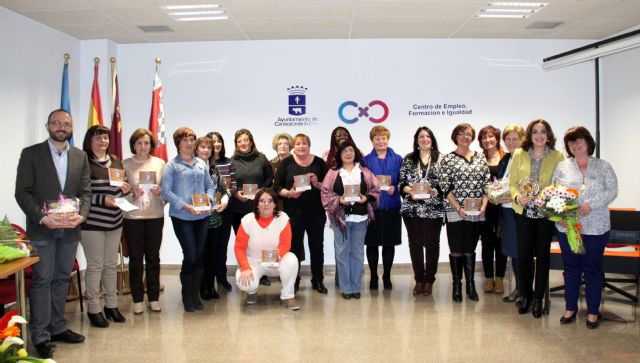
224,86
31,64
620,122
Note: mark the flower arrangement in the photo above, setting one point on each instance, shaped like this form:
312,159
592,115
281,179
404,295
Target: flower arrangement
498,189
560,203
12,245
11,346
63,208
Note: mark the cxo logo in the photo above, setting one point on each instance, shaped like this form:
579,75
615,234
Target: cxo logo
297,101
363,111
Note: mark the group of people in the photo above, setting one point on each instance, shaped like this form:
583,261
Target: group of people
271,204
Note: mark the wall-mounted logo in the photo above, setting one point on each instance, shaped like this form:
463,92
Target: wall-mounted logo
363,111
297,101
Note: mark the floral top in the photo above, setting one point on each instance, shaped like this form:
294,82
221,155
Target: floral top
600,189
466,179
411,173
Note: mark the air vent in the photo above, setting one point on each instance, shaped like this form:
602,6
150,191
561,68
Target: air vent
155,28
544,24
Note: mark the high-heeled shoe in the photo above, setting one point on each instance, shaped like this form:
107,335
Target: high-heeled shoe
593,324
512,297
373,283
536,308
319,287
386,282
114,315
524,306
419,289
569,320
98,320
225,284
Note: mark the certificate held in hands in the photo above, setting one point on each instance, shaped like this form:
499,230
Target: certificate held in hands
302,182
201,202
472,206
250,190
385,181
116,177
351,193
146,179
421,191
270,258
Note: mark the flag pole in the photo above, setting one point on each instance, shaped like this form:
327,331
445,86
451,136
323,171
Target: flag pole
66,58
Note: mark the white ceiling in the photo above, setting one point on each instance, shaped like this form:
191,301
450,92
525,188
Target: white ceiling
118,20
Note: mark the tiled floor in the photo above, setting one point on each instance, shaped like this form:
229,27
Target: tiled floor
383,326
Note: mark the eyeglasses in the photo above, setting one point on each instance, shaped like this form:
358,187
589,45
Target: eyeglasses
60,124
266,201
463,133
576,141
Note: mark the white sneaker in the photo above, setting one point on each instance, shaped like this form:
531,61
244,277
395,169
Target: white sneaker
155,306
138,308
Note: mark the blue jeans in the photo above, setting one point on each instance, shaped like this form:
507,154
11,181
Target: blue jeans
349,246
49,286
589,264
191,235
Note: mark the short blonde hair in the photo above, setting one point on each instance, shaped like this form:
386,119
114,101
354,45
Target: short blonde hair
281,135
379,130
513,128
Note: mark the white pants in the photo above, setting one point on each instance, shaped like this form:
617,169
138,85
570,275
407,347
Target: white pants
101,251
287,271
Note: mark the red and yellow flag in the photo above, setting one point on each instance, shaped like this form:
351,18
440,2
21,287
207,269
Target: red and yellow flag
95,107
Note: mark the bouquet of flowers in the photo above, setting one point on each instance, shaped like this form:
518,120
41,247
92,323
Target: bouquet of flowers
63,208
12,245
560,203
497,190
12,348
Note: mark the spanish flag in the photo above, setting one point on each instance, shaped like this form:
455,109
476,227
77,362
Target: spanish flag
95,107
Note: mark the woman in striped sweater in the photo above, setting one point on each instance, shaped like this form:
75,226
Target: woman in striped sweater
102,231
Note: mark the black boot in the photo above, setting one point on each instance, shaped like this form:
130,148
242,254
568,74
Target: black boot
206,288
187,301
456,263
195,284
469,270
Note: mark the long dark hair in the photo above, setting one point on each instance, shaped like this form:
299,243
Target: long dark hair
415,154
358,158
91,132
222,149
333,146
528,138
274,196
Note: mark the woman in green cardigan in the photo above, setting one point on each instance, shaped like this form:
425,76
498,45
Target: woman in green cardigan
533,164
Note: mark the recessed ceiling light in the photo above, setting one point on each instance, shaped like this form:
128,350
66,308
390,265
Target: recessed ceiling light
189,7
189,13
198,12
517,4
493,10
510,10
203,18
501,16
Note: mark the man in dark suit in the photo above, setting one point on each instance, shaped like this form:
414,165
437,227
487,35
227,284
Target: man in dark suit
46,171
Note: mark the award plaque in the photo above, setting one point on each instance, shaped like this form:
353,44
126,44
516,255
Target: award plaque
146,179
351,193
249,190
227,181
302,182
116,177
528,188
385,181
421,191
472,206
201,202
270,258
218,199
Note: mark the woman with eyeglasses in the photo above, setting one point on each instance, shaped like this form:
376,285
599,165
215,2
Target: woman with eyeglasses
350,195
262,248
533,166
143,226
598,186
303,205
464,177
186,186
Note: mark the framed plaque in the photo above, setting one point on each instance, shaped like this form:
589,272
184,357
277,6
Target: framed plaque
421,191
269,257
249,190
385,181
201,202
146,179
351,193
472,206
302,182
116,177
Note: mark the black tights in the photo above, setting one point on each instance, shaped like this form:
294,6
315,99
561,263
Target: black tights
388,252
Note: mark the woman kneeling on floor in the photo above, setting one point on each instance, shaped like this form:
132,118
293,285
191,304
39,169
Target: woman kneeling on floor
262,248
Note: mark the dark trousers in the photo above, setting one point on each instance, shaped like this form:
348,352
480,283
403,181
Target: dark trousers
588,265
534,240
222,243
143,237
314,226
191,235
49,285
492,246
424,246
236,219
463,236
209,257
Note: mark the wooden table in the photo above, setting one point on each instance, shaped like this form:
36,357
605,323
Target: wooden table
17,267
